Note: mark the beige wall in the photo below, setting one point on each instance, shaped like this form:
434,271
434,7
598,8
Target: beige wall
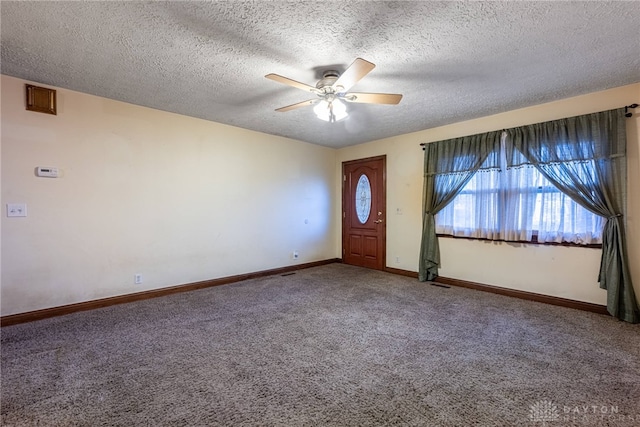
179,199
559,271
173,198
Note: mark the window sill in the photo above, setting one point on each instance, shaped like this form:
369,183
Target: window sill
533,241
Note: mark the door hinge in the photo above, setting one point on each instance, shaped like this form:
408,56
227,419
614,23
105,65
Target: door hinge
344,215
344,178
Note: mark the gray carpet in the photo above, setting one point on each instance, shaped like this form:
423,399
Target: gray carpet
333,345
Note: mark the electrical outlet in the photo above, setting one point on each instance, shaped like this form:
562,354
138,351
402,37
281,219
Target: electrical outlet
137,279
295,255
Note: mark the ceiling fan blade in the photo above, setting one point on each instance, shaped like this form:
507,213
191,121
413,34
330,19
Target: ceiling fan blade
352,75
373,98
287,81
298,105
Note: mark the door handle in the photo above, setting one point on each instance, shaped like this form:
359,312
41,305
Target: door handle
378,221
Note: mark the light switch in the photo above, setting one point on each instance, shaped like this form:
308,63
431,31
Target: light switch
16,209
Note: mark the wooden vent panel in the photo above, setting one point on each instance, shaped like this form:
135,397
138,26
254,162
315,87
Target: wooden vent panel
41,99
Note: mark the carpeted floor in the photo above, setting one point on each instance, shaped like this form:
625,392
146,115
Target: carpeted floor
328,346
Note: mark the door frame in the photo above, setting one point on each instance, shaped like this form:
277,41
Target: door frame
383,236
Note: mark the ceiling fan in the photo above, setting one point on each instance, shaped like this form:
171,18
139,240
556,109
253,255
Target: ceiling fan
333,88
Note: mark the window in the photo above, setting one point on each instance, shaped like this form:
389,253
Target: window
518,204
363,199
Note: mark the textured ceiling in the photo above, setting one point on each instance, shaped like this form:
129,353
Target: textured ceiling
453,61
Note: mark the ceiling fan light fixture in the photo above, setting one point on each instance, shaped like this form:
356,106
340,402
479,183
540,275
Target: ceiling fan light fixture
330,111
333,89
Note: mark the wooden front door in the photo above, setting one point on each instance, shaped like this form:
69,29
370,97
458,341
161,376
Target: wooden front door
363,212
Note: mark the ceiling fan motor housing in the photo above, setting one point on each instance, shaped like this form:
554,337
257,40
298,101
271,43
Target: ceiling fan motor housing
328,79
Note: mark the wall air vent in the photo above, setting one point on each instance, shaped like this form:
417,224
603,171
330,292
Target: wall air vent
41,99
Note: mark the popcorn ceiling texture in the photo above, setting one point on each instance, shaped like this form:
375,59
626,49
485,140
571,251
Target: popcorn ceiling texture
452,61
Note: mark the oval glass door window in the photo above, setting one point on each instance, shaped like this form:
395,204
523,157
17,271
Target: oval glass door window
363,199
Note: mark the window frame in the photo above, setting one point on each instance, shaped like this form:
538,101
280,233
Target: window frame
500,191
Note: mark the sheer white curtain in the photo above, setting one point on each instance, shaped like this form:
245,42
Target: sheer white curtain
519,200
560,219
533,204
475,211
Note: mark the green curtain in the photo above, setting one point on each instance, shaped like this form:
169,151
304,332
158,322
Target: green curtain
585,157
448,166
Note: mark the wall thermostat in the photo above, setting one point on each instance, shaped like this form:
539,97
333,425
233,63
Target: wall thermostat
47,172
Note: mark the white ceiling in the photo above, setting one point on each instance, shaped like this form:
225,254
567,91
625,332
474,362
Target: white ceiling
453,61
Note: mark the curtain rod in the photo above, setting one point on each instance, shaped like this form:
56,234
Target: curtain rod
627,113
